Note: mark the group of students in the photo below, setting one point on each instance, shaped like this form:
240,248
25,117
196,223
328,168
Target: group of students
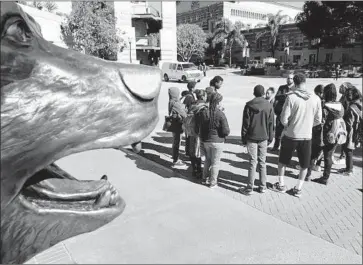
313,124
200,115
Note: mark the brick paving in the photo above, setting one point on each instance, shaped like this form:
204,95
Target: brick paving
332,212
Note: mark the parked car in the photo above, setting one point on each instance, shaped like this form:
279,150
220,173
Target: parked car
181,71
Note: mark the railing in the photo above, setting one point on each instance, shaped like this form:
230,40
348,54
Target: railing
145,10
153,41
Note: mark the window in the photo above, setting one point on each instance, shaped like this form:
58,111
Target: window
328,57
299,41
258,58
296,58
180,68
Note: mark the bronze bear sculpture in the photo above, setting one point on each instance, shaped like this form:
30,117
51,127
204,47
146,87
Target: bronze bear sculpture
56,102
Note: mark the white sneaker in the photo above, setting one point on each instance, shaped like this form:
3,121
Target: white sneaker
178,163
316,168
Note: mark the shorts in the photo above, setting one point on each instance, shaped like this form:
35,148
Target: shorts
302,147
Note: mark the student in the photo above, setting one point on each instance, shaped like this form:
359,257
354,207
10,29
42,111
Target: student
343,89
216,83
188,95
188,101
353,119
194,141
297,131
178,113
278,105
316,140
257,134
270,94
213,128
332,110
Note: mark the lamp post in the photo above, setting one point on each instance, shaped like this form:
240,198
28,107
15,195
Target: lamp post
317,43
129,39
246,51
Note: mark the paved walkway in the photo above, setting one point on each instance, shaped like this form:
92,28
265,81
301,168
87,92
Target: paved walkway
170,220
333,212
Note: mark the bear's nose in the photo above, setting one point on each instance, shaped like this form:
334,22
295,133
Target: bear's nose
142,81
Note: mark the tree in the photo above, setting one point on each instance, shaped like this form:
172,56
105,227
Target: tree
331,23
191,40
211,51
91,27
50,6
228,34
274,22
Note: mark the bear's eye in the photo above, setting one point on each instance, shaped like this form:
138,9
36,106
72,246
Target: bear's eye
19,32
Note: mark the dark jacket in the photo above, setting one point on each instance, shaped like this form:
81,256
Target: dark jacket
280,98
189,99
220,128
331,112
352,119
258,121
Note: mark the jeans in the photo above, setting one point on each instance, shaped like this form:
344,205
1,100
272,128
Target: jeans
187,143
329,150
348,158
213,154
257,151
175,147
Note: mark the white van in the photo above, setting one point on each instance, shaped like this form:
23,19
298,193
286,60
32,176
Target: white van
181,71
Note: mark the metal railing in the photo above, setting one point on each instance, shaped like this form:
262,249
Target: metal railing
145,10
153,41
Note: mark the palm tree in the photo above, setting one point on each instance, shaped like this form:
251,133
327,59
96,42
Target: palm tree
273,28
227,34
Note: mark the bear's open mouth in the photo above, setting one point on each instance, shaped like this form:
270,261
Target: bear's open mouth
54,190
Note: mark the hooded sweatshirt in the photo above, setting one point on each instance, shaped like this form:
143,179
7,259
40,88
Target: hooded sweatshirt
258,121
301,112
352,119
331,111
176,108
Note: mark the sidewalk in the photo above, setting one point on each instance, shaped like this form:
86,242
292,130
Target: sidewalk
333,212
171,220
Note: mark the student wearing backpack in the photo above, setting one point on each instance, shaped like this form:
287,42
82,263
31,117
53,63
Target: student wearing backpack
333,113
188,101
353,120
343,89
191,128
213,129
178,114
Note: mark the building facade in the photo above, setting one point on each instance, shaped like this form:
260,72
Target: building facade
207,13
150,29
301,50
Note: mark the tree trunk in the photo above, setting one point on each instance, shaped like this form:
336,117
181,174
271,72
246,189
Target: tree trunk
230,57
273,52
317,54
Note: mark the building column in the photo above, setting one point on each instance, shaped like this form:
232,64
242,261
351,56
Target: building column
123,14
168,43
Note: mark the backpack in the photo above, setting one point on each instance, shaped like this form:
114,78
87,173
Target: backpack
338,132
357,128
189,123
